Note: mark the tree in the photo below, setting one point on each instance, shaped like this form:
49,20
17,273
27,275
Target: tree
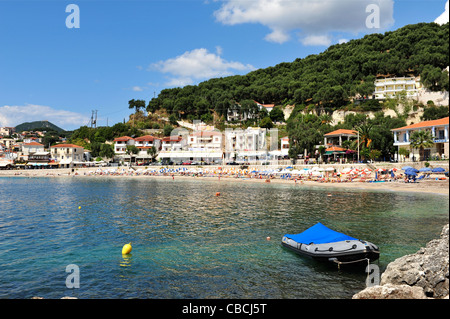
152,152
107,150
277,115
136,104
266,123
421,140
131,149
173,119
167,130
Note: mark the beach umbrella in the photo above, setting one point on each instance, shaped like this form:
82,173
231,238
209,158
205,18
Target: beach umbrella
394,169
406,167
438,170
380,170
425,169
411,172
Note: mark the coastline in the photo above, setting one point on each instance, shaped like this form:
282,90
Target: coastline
440,187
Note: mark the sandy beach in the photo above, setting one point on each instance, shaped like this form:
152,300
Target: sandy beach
430,185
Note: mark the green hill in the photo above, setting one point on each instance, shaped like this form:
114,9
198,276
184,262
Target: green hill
326,81
30,126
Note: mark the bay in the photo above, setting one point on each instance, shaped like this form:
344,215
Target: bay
189,243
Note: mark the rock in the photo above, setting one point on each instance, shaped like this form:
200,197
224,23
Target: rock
427,269
424,274
390,291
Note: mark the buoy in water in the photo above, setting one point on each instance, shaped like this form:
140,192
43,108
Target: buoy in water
126,249
79,207
268,238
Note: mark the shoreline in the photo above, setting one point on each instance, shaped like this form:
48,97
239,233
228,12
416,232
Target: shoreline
440,187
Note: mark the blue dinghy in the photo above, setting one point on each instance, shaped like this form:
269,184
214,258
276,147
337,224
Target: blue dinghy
323,243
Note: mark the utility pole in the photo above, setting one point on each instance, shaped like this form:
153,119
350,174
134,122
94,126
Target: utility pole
94,121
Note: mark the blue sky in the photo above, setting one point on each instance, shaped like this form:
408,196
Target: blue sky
133,49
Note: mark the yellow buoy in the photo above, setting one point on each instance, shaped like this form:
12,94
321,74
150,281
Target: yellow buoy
79,207
126,249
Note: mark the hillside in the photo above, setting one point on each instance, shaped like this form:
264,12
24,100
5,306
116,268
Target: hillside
327,81
29,126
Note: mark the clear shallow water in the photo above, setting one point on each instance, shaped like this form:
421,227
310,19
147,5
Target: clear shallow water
188,243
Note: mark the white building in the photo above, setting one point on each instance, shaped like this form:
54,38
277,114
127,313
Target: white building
173,143
245,145
389,87
67,155
285,146
439,131
31,148
120,144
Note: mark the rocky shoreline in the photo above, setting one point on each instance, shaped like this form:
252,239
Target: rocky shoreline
422,275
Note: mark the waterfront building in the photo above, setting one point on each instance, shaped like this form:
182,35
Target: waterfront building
67,155
439,132
336,137
245,145
120,144
285,146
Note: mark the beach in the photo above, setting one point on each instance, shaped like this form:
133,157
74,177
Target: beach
428,185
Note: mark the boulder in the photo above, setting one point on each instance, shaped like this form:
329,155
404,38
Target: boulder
390,291
428,268
424,274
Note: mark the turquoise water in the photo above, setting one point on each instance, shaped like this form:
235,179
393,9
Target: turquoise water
188,243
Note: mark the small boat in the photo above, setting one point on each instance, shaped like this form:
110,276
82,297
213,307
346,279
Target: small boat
325,244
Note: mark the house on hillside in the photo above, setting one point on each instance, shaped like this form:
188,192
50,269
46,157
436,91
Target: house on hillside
439,132
389,87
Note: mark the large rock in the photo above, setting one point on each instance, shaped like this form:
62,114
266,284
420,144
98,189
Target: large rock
426,270
389,291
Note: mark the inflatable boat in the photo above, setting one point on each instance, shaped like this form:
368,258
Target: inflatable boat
322,243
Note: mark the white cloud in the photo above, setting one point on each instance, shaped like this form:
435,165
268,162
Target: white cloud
198,64
312,17
342,41
324,40
13,115
138,88
444,17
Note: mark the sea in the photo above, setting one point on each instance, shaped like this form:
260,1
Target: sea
64,236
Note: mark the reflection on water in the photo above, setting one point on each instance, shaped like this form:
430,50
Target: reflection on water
189,243
126,261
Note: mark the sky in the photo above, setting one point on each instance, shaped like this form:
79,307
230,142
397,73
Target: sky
62,60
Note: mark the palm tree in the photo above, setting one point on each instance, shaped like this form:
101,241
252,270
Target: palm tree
421,140
152,152
365,139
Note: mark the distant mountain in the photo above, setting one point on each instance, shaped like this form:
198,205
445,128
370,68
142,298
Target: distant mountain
29,126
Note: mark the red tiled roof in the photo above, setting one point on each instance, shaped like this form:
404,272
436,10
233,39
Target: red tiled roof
172,139
341,131
122,139
443,121
146,138
335,149
33,144
65,146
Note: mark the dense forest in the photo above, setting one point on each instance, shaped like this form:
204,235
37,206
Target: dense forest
328,80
